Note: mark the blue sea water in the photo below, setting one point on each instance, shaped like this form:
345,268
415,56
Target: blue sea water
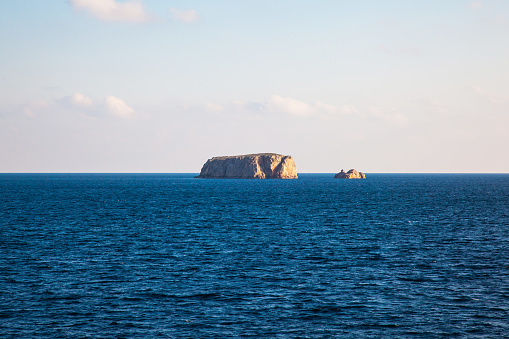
169,256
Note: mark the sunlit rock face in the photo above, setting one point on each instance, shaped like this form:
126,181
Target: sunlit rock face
351,174
250,166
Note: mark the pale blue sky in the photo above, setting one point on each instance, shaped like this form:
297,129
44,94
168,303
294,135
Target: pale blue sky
161,85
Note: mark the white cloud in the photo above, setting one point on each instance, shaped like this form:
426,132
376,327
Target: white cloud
111,10
185,16
476,5
78,102
288,105
92,108
281,105
321,107
118,107
292,106
79,99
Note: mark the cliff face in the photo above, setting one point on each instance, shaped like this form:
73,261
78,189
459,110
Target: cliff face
250,166
351,174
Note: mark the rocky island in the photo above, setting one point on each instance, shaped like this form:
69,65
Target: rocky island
351,174
250,166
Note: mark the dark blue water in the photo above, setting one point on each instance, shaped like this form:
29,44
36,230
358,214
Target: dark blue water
168,256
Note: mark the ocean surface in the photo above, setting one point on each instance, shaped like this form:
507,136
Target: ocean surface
169,256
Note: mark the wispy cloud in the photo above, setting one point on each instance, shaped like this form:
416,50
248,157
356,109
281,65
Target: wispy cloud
388,115
291,107
31,108
109,105
112,10
278,104
288,106
185,16
349,109
211,107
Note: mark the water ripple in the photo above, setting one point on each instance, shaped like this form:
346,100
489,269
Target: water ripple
166,256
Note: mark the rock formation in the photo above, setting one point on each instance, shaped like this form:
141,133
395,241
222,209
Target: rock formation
250,166
351,174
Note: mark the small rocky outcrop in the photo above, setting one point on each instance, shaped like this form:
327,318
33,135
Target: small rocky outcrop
351,174
250,166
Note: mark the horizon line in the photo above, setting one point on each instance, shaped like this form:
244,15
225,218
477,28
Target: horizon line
193,173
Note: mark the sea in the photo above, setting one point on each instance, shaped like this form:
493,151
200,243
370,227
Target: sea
170,256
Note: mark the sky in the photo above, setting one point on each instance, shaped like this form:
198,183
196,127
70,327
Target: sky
160,86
